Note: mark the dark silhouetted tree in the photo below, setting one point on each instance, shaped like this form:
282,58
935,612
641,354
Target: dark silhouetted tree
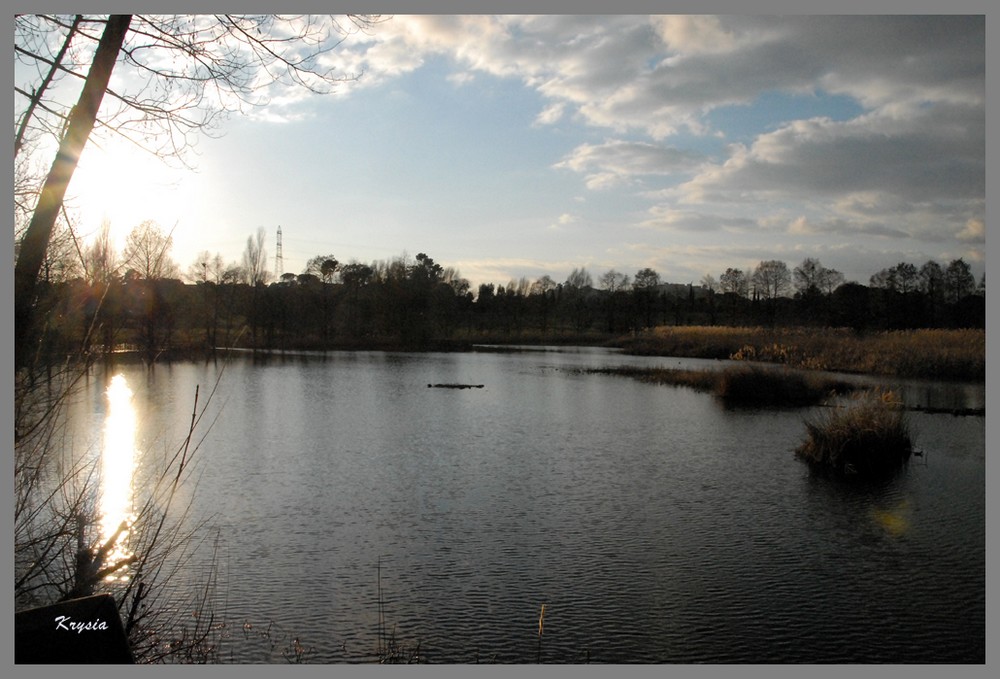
958,281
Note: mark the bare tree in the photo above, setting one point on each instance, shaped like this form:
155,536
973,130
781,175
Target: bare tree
932,280
958,281
735,281
49,70
100,260
181,76
907,277
543,285
206,268
453,277
578,279
903,278
831,280
771,279
807,276
812,278
882,280
520,288
646,279
147,252
613,281
255,260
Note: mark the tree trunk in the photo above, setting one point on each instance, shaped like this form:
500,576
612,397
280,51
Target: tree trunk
36,239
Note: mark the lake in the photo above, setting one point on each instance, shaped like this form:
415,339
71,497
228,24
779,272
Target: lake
352,502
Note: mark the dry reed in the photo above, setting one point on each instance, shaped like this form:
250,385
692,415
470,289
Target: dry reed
930,353
870,438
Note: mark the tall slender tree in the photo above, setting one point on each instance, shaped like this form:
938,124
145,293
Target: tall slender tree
147,252
80,122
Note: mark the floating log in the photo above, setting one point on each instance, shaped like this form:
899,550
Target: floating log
956,412
455,386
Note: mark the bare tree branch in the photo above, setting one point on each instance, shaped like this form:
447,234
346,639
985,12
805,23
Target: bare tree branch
39,92
181,74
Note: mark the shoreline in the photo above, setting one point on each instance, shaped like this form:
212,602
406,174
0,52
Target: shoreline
936,354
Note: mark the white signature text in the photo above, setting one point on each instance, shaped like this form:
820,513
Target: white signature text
66,623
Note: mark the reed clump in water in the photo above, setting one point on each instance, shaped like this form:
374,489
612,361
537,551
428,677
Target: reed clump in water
869,438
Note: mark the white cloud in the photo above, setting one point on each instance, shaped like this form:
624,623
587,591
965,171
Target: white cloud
974,231
911,166
463,78
600,181
664,217
905,157
977,256
551,114
564,219
800,226
661,74
616,162
690,34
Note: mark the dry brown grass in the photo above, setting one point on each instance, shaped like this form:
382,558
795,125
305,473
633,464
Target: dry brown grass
869,438
930,353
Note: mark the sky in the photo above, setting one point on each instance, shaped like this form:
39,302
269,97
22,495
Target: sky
523,146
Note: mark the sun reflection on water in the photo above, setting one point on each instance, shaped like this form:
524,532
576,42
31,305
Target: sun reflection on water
117,466
895,520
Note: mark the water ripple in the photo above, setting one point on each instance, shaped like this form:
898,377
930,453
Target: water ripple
654,526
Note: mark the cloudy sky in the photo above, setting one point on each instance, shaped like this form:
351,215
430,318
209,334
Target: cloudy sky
510,146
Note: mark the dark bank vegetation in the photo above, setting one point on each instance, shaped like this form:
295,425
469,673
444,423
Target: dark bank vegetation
752,386
418,304
870,438
757,386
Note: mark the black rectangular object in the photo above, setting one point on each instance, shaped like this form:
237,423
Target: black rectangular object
77,632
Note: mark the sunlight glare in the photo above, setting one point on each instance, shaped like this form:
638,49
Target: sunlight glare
117,464
895,521
126,187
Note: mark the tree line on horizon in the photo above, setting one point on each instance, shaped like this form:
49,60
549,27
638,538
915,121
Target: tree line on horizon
97,300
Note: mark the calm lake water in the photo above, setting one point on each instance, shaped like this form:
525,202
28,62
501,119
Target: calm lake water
655,525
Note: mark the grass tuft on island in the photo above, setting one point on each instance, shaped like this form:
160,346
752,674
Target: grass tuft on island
870,438
754,386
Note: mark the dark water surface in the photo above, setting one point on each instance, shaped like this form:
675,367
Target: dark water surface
654,525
